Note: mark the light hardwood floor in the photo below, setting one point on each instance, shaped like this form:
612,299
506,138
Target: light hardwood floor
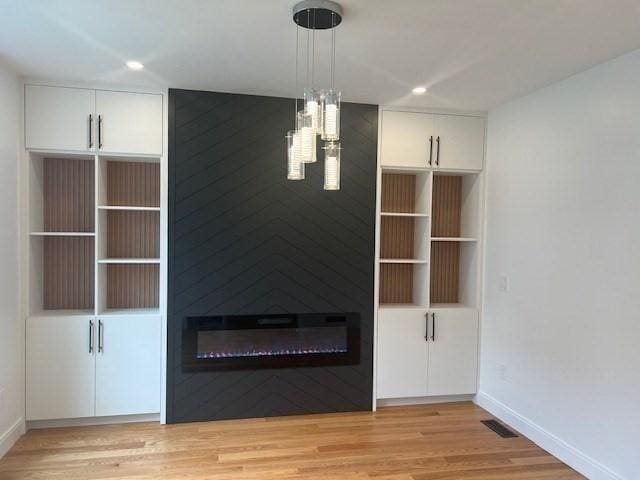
437,442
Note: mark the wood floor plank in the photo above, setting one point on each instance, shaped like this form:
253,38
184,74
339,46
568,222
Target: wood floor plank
429,442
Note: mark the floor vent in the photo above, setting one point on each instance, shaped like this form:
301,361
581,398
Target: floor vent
500,429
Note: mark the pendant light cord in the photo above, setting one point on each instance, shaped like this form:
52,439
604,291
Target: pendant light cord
333,50
313,50
295,113
308,42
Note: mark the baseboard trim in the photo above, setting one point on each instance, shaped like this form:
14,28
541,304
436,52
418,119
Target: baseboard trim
11,436
399,402
89,421
570,455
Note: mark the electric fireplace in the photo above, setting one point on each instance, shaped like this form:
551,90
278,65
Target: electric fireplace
270,341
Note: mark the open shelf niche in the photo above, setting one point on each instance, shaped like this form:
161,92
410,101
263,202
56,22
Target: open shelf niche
62,234
454,234
129,243
404,233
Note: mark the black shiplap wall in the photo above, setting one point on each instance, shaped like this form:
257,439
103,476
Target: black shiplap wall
244,240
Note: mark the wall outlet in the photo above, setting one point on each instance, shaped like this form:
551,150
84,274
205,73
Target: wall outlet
502,372
503,284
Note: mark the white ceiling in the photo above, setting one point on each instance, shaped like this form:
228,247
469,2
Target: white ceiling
471,54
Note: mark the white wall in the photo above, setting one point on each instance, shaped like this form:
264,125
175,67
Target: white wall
11,325
563,223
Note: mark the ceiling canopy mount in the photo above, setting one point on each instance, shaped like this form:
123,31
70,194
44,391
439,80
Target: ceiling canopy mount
317,14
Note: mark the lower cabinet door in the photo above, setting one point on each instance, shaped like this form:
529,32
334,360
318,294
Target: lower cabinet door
453,353
60,367
128,365
402,353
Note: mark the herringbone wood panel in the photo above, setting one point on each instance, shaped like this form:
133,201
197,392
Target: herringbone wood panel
244,240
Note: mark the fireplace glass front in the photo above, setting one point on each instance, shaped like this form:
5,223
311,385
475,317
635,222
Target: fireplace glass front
270,341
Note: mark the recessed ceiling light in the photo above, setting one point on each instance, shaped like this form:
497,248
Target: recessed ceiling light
135,65
419,90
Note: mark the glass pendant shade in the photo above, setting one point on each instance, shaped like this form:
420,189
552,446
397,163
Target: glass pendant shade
307,137
295,165
332,166
313,107
331,116
319,116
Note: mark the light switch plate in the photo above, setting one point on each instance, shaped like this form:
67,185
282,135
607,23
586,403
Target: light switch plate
503,284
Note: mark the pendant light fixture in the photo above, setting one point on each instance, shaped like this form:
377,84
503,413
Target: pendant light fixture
320,115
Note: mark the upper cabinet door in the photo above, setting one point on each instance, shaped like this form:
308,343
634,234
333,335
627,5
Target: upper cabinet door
128,365
408,139
60,367
453,353
129,123
59,118
459,142
402,353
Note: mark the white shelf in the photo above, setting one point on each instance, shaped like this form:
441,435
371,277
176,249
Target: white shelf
43,153
125,157
130,312
460,172
453,239
129,260
402,260
129,208
436,306
404,169
61,313
398,214
62,234
401,306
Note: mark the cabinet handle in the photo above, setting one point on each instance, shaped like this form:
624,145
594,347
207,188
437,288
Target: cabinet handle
90,131
90,336
100,337
430,150
438,151
99,131
426,325
433,327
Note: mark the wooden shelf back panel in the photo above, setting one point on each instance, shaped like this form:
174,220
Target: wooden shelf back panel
133,184
133,234
68,273
447,206
396,283
397,237
445,272
133,286
68,195
398,193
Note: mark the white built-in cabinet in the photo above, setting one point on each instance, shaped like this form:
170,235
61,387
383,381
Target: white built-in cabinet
129,122
60,367
430,222
59,118
432,353
453,351
424,140
127,365
83,366
87,120
402,353
407,139
93,329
